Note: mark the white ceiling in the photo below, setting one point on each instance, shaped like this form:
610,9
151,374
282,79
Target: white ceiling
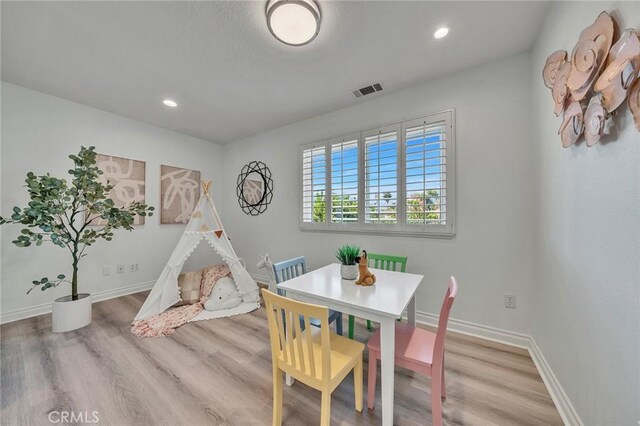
230,77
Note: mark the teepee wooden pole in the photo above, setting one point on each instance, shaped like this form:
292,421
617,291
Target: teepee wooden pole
205,186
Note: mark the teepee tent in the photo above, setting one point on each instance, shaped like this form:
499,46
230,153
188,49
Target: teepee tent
204,224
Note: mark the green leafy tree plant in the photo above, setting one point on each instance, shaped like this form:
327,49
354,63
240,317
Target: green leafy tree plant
347,254
422,207
319,207
61,212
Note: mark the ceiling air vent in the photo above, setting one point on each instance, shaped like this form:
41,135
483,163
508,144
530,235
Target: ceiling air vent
375,87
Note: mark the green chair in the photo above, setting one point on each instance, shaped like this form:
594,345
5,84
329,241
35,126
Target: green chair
380,261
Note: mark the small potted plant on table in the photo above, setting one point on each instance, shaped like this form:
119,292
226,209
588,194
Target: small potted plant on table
61,213
348,266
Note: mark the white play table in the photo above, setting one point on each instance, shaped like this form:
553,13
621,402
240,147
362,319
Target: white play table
383,302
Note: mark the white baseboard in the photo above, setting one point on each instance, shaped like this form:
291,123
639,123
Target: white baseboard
477,330
45,308
562,402
260,278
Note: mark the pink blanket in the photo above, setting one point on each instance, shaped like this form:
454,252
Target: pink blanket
166,323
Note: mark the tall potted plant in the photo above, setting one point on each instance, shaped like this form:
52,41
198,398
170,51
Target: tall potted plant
348,265
61,213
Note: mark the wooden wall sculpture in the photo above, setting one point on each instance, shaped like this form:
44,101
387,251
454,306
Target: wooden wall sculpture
594,81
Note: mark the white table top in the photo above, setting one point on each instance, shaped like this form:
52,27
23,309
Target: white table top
389,296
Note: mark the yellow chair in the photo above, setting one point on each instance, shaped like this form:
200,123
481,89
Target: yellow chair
313,356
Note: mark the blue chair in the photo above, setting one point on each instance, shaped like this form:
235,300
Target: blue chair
292,268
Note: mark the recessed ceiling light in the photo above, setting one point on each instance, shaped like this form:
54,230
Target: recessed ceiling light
293,22
170,103
441,33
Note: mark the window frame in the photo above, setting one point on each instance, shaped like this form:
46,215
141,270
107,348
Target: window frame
447,229
341,226
311,226
401,228
382,227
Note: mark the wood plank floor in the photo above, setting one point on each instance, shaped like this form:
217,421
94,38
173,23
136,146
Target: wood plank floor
219,372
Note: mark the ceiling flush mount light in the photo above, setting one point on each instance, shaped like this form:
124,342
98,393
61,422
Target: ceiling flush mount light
441,33
170,103
293,22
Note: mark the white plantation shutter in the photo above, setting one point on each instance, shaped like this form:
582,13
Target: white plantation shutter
344,180
381,176
314,184
426,172
393,180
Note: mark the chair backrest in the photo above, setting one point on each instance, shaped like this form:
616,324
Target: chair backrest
452,291
292,346
288,269
387,262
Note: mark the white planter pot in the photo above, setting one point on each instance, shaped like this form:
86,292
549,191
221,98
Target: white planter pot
349,272
67,314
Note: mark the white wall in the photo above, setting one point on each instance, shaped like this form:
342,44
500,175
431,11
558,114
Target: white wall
587,241
491,253
38,133
560,228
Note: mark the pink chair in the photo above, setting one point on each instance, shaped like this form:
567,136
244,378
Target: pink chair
418,350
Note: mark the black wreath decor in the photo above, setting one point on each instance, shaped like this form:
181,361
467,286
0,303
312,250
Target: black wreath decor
255,188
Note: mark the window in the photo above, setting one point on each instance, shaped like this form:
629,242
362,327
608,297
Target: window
396,179
425,173
381,176
344,181
314,171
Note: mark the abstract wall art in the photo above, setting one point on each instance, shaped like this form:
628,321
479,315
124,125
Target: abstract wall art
591,84
179,192
128,180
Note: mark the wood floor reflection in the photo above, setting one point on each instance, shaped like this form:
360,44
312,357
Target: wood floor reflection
219,372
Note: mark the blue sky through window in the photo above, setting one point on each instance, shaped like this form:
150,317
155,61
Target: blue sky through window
344,181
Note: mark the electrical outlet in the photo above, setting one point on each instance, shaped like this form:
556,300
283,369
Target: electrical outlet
510,301
134,267
106,271
120,269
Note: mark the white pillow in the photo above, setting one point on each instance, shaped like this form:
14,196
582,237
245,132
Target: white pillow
224,295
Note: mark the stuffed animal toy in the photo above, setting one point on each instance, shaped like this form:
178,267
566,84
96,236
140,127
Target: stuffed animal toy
224,295
365,277
267,263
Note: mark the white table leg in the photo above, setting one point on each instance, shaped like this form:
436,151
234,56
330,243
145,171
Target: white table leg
411,311
388,347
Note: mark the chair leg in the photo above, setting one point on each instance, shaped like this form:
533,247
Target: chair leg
325,408
436,401
277,397
352,326
444,392
339,324
371,380
369,326
357,384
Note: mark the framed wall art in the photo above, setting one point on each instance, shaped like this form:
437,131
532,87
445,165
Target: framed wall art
128,179
179,193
